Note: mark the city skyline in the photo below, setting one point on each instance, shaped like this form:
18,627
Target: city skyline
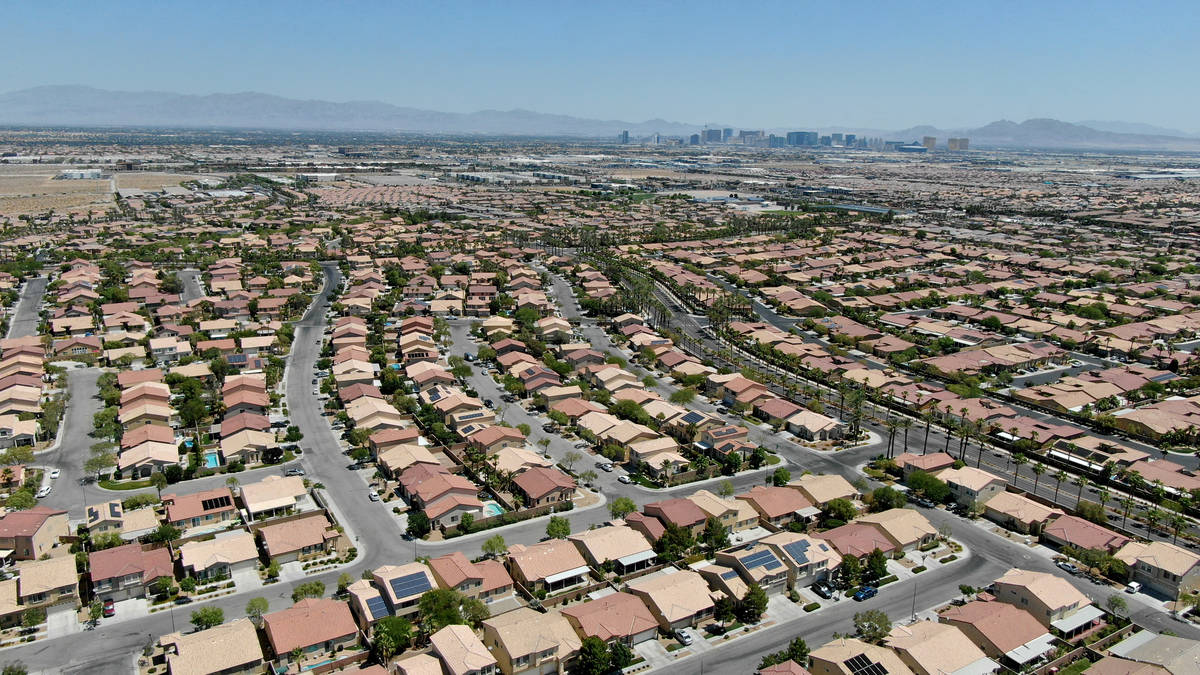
855,67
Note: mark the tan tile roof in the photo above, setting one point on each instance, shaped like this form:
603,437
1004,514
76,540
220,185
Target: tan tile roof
619,615
308,622
217,649
544,559
676,596
40,576
524,631
460,650
937,647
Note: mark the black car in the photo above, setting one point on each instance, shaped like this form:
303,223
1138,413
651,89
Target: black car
822,589
183,600
488,403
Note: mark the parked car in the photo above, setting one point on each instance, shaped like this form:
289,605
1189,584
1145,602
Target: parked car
624,479
294,472
373,496
549,427
822,589
923,502
683,637
183,600
1067,567
110,608
44,492
55,474
488,403
866,593
606,467
583,444
1133,587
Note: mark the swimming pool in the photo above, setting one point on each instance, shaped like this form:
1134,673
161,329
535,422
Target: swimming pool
211,461
491,509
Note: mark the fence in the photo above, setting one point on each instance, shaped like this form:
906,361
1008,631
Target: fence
511,517
1093,652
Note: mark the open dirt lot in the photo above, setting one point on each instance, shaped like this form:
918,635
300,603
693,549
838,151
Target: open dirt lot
148,180
32,189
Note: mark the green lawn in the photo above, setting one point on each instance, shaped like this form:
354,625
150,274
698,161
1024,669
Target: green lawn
125,485
1076,668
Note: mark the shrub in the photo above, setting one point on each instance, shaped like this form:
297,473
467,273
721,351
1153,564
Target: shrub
886,580
918,569
812,606
949,558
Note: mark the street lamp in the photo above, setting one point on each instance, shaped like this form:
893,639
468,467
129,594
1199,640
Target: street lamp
915,584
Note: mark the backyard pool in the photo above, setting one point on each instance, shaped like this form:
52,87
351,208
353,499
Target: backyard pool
491,509
211,461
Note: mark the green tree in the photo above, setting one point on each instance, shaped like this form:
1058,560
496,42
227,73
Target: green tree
466,523
781,477
33,617
726,489
165,532
876,565
840,509
929,485
344,581
683,396
621,507
308,589
797,652
398,630
207,617
715,535
620,654
885,498
256,608
159,481
418,524
674,543
95,611
850,571
872,625
593,658
558,527
724,609
495,546
439,608
14,668
753,604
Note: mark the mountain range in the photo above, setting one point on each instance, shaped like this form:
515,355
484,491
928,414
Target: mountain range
70,105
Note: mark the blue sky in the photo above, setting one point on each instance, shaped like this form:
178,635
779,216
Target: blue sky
885,65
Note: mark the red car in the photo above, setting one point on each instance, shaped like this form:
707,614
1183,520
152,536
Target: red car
110,608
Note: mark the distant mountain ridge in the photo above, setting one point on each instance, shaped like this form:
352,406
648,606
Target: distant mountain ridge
70,105
87,106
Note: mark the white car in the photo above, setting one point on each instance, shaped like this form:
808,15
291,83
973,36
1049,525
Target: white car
44,492
373,496
55,474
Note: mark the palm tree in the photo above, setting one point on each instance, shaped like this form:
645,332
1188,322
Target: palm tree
1059,477
1082,482
891,425
1178,522
1105,497
1018,459
1154,516
1038,470
1126,503
905,424
928,417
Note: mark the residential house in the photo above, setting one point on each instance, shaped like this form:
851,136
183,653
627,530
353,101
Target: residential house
31,533
624,548
298,539
933,648
851,656
128,571
779,506
219,557
554,565
201,509
1164,568
230,649
527,641
972,487
906,529
461,652
542,485
617,617
676,598
311,625
486,580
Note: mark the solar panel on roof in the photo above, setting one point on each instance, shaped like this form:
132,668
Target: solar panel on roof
861,665
798,550
114,509
378,607
410,585
729,575
764,559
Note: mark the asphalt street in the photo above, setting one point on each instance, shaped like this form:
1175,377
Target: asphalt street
25,319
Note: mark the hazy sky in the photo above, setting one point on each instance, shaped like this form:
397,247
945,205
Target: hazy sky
787,64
